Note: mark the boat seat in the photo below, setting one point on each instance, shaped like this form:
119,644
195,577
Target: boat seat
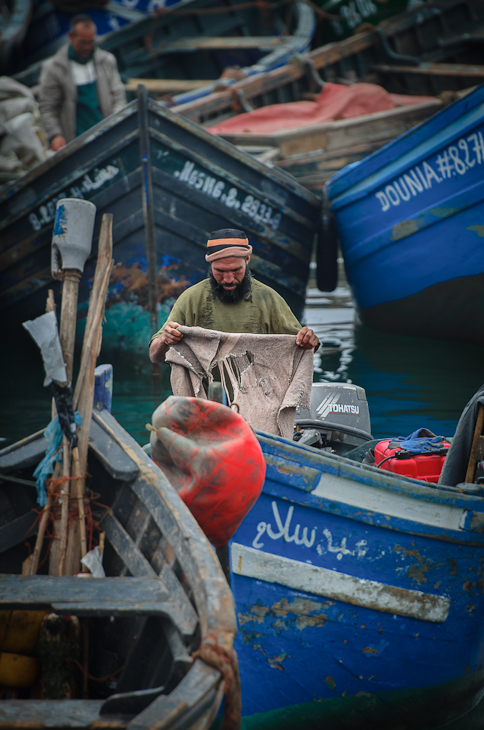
434,69
92,597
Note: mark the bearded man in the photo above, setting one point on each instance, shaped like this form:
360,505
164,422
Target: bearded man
230,300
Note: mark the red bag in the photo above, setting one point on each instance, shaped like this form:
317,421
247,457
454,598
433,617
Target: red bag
211,456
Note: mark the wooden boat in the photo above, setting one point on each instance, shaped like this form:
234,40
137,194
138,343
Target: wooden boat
14,22
315,153
168,183
415,264
163,595
424,51
405,55
356,590
186,49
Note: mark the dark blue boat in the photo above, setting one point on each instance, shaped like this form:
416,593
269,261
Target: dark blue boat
411,221
168,183
358,594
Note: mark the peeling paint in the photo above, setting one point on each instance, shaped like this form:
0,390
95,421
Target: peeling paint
329,681
252,638
257,615
478,229
418,571
299,613
468,586
403,229
372,650
276,661
453,565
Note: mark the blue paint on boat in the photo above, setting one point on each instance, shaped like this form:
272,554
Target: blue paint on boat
350,580
411,216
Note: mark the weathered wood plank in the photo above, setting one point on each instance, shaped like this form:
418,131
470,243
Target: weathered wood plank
434,69
265,82
166,86
107,596
129,553
24,453
137,564
342,133
93,597
54,714
110,454
13,533
222,43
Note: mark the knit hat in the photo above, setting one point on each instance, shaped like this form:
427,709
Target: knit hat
227,242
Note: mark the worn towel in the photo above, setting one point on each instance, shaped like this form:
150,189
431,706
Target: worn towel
268,375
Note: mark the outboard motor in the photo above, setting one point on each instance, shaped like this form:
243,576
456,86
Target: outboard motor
338,420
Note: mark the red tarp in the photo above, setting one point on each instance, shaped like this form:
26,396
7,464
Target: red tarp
335,101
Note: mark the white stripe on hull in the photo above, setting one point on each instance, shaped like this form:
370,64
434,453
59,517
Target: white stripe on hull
338,586
387,502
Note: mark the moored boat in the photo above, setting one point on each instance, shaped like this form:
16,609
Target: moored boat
169,183
424,51
410,221
163,596
357,592
182,49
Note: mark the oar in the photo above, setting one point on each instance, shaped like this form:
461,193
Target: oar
84,391
71,245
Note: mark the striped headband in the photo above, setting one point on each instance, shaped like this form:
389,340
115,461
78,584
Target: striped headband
221,248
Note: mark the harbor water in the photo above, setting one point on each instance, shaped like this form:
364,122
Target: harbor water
410,382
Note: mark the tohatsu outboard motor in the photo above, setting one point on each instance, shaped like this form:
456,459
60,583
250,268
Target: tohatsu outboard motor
338,419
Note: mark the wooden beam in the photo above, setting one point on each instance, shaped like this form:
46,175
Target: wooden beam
434,69
265,82
167,86
93,597
222,43
340,134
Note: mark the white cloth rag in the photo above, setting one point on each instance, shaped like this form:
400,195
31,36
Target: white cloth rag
269,375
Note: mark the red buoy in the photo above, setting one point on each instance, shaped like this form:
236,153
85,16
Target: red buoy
211,456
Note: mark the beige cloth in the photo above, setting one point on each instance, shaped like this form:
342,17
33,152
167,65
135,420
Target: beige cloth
270,376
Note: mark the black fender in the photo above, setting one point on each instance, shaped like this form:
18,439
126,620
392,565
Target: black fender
327,253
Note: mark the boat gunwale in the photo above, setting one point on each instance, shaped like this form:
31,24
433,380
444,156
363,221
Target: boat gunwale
214,602
382,479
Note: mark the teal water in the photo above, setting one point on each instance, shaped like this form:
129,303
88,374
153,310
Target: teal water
410,383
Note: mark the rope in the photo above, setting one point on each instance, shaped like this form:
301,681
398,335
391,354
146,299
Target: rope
89,676
227,664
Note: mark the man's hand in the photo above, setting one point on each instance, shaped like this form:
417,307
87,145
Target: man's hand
171,335
160,346
306,339
57,143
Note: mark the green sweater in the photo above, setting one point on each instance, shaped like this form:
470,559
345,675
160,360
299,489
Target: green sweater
264,312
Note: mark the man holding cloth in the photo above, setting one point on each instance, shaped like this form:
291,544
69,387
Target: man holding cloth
230,300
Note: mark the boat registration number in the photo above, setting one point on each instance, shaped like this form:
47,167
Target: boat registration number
229,196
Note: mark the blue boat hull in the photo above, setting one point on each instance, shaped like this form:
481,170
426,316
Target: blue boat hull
411,221
358,588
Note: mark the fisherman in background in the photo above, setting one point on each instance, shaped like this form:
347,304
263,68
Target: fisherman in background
230,300
79,86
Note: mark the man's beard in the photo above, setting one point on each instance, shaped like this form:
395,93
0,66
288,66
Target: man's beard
235,295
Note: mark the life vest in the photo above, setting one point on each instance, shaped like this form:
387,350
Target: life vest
211,456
